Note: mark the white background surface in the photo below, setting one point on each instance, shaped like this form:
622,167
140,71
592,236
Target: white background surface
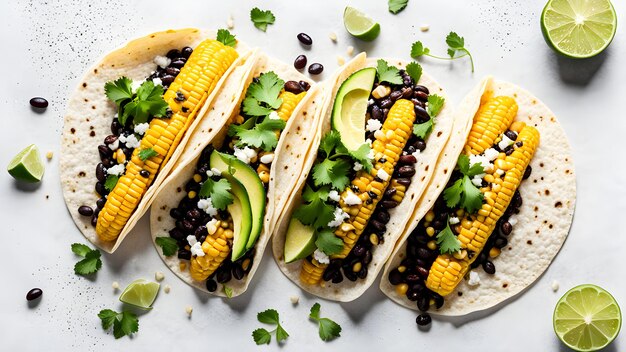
46,47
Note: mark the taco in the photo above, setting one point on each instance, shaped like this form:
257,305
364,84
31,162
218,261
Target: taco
214,216
383,126
129,120
497,211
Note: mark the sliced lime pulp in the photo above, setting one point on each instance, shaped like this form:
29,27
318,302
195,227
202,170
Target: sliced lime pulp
140,293
27,166
360,25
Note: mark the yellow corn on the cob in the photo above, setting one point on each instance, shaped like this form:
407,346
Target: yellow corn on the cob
400,122
216,248
196,80
447,271
492,119
290,101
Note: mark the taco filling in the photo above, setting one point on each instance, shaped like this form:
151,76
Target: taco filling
472,218
221,217
380,122
152,118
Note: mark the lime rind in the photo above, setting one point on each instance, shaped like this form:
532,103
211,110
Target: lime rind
27,165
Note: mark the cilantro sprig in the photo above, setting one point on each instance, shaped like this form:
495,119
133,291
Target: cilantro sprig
262,135
314,211
91,261
435,104
262,18
225,37
124,323
328,329
463,192
168,245
146,101
386,73
456,49
147,153
110,182
395,6
447,240
328,243
262,336
414,70
218,191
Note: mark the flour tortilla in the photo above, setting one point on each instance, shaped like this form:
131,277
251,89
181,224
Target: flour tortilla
89,116
348,290
291,152
549,197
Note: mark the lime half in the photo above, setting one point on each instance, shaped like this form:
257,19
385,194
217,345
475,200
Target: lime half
26,166
360,25
579,28
140,293
587,318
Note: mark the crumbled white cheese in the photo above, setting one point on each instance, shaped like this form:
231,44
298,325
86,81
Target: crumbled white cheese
513,220
189,310
500,172
294,299
167,288
491,154
416,153
113,146
382,174
555,285
207,205
351,199
424,28
191,239
454,220
370,102
482,161
321,257
478,180
339,217
115,285
371,154
333,37
141,128
116,170
211,226
135,85
505,142
157,81
214,171
130,141
158,276
196,250
246,154
474,278
230,22
373,125
334,195
274,116
267,158
357,166
162,61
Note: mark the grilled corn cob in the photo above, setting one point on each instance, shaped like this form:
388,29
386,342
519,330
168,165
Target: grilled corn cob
290,101
197,79
400,123
447,271
492,119
216,248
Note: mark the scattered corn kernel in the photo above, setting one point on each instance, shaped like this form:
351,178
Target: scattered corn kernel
191,194
494,252
430,216
294,299
49,155
158,276
374,239
460,212
333,37
430,231
402,268
357,267
381,91
115,285
264,176
555,285
246,264
197,178
120,156
182,266
189,310
401,289
424,28
340,60
350,50
432,245
167,289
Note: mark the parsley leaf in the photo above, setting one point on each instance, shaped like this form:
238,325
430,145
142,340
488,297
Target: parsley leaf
447,241
168,245
332,172
261,18
328,243
387,73
218,191
435,104
147,153
225,37
124,323
418,49
422,130
148,101
262,336
80,249
228,291
396,6
281,334
414,70
456,44
269,316
110,182
267,89
91,262
262,135
316,212
328,329
362,156
463,192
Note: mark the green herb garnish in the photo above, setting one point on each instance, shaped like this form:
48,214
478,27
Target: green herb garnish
456,45
262,336
261,18
218,191
314,211
435,104
124,323
447,240
332,172
328,329
395,6
147,101
414,70
228,291
147,153
225,37
262,135
91,262
328,243
110,182
386,73
168,245
463,192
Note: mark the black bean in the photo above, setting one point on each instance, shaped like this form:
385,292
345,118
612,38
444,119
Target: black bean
177,234
293,87
39,102
116,127
383,216
211,285
187,226
172,54
144,173
85,210
412,278
511,134
186,52
34,294
527,172
438,224
305,39
500,242
517,200
421,96
423,253
178,63
412,295
389,192
423,303
305,85
407,81
509,150
350,275
101,172
389,204
438,300
417,102
421,113
421,89
101,189
386,103
423,272
407,159
100,203
184,254
223,276
407,92
176,213
337,278
167,80
127,151
406,171
395,95
329,273
358,251
94,219
378,226
104,151
172,71
362,274
193,214
404,181
385,113
420,145
316,68
489,268
423,319
367,258
110,139
395,277
421,262
300,62
506,228
200,232
238,272
377,113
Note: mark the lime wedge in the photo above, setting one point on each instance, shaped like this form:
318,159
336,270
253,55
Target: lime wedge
140,293
360,25
587,318
26,166
579,29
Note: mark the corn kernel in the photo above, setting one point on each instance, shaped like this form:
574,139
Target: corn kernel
430,216
192,194
264,176
245,264
402,268
120,156
401,289
430,231
182,266
357,267
494,252
197,178
374,239
432,245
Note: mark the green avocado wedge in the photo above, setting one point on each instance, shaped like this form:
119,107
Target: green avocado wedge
253,187
241,213
300,241
350,107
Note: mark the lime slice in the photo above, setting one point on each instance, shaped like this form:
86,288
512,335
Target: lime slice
587,318
140,293
360,25
579,29
26,166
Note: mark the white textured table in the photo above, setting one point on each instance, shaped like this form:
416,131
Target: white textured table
47,47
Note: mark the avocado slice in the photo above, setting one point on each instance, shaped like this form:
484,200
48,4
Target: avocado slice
350,107
241,212
299,241
228,164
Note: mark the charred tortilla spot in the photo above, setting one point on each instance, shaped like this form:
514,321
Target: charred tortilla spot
158,218
179,190
426,168
82,174
550,226
93,107
558,204
95,70
547,192
445,171
505,285
84,85
460,293
304,113
286,167
536,208
541,164
529,242
92,134
439,134
73,130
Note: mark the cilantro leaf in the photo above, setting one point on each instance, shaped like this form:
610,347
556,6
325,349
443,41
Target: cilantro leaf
228,291
129,323
472,197
90,264
119,90
387,73
418,49
124,323
330,141
310,195
452,194
218,191
281,334
316,212
332,172
148,102
80,249
168,245
435,104
328,243
362,156
261,336
267,89
269,316
252,107
414,70
463,164
110,182
328,329
447,241
261,18
463,192
422,130
262,135
147,153
396,6
455,42
107,316
225,37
